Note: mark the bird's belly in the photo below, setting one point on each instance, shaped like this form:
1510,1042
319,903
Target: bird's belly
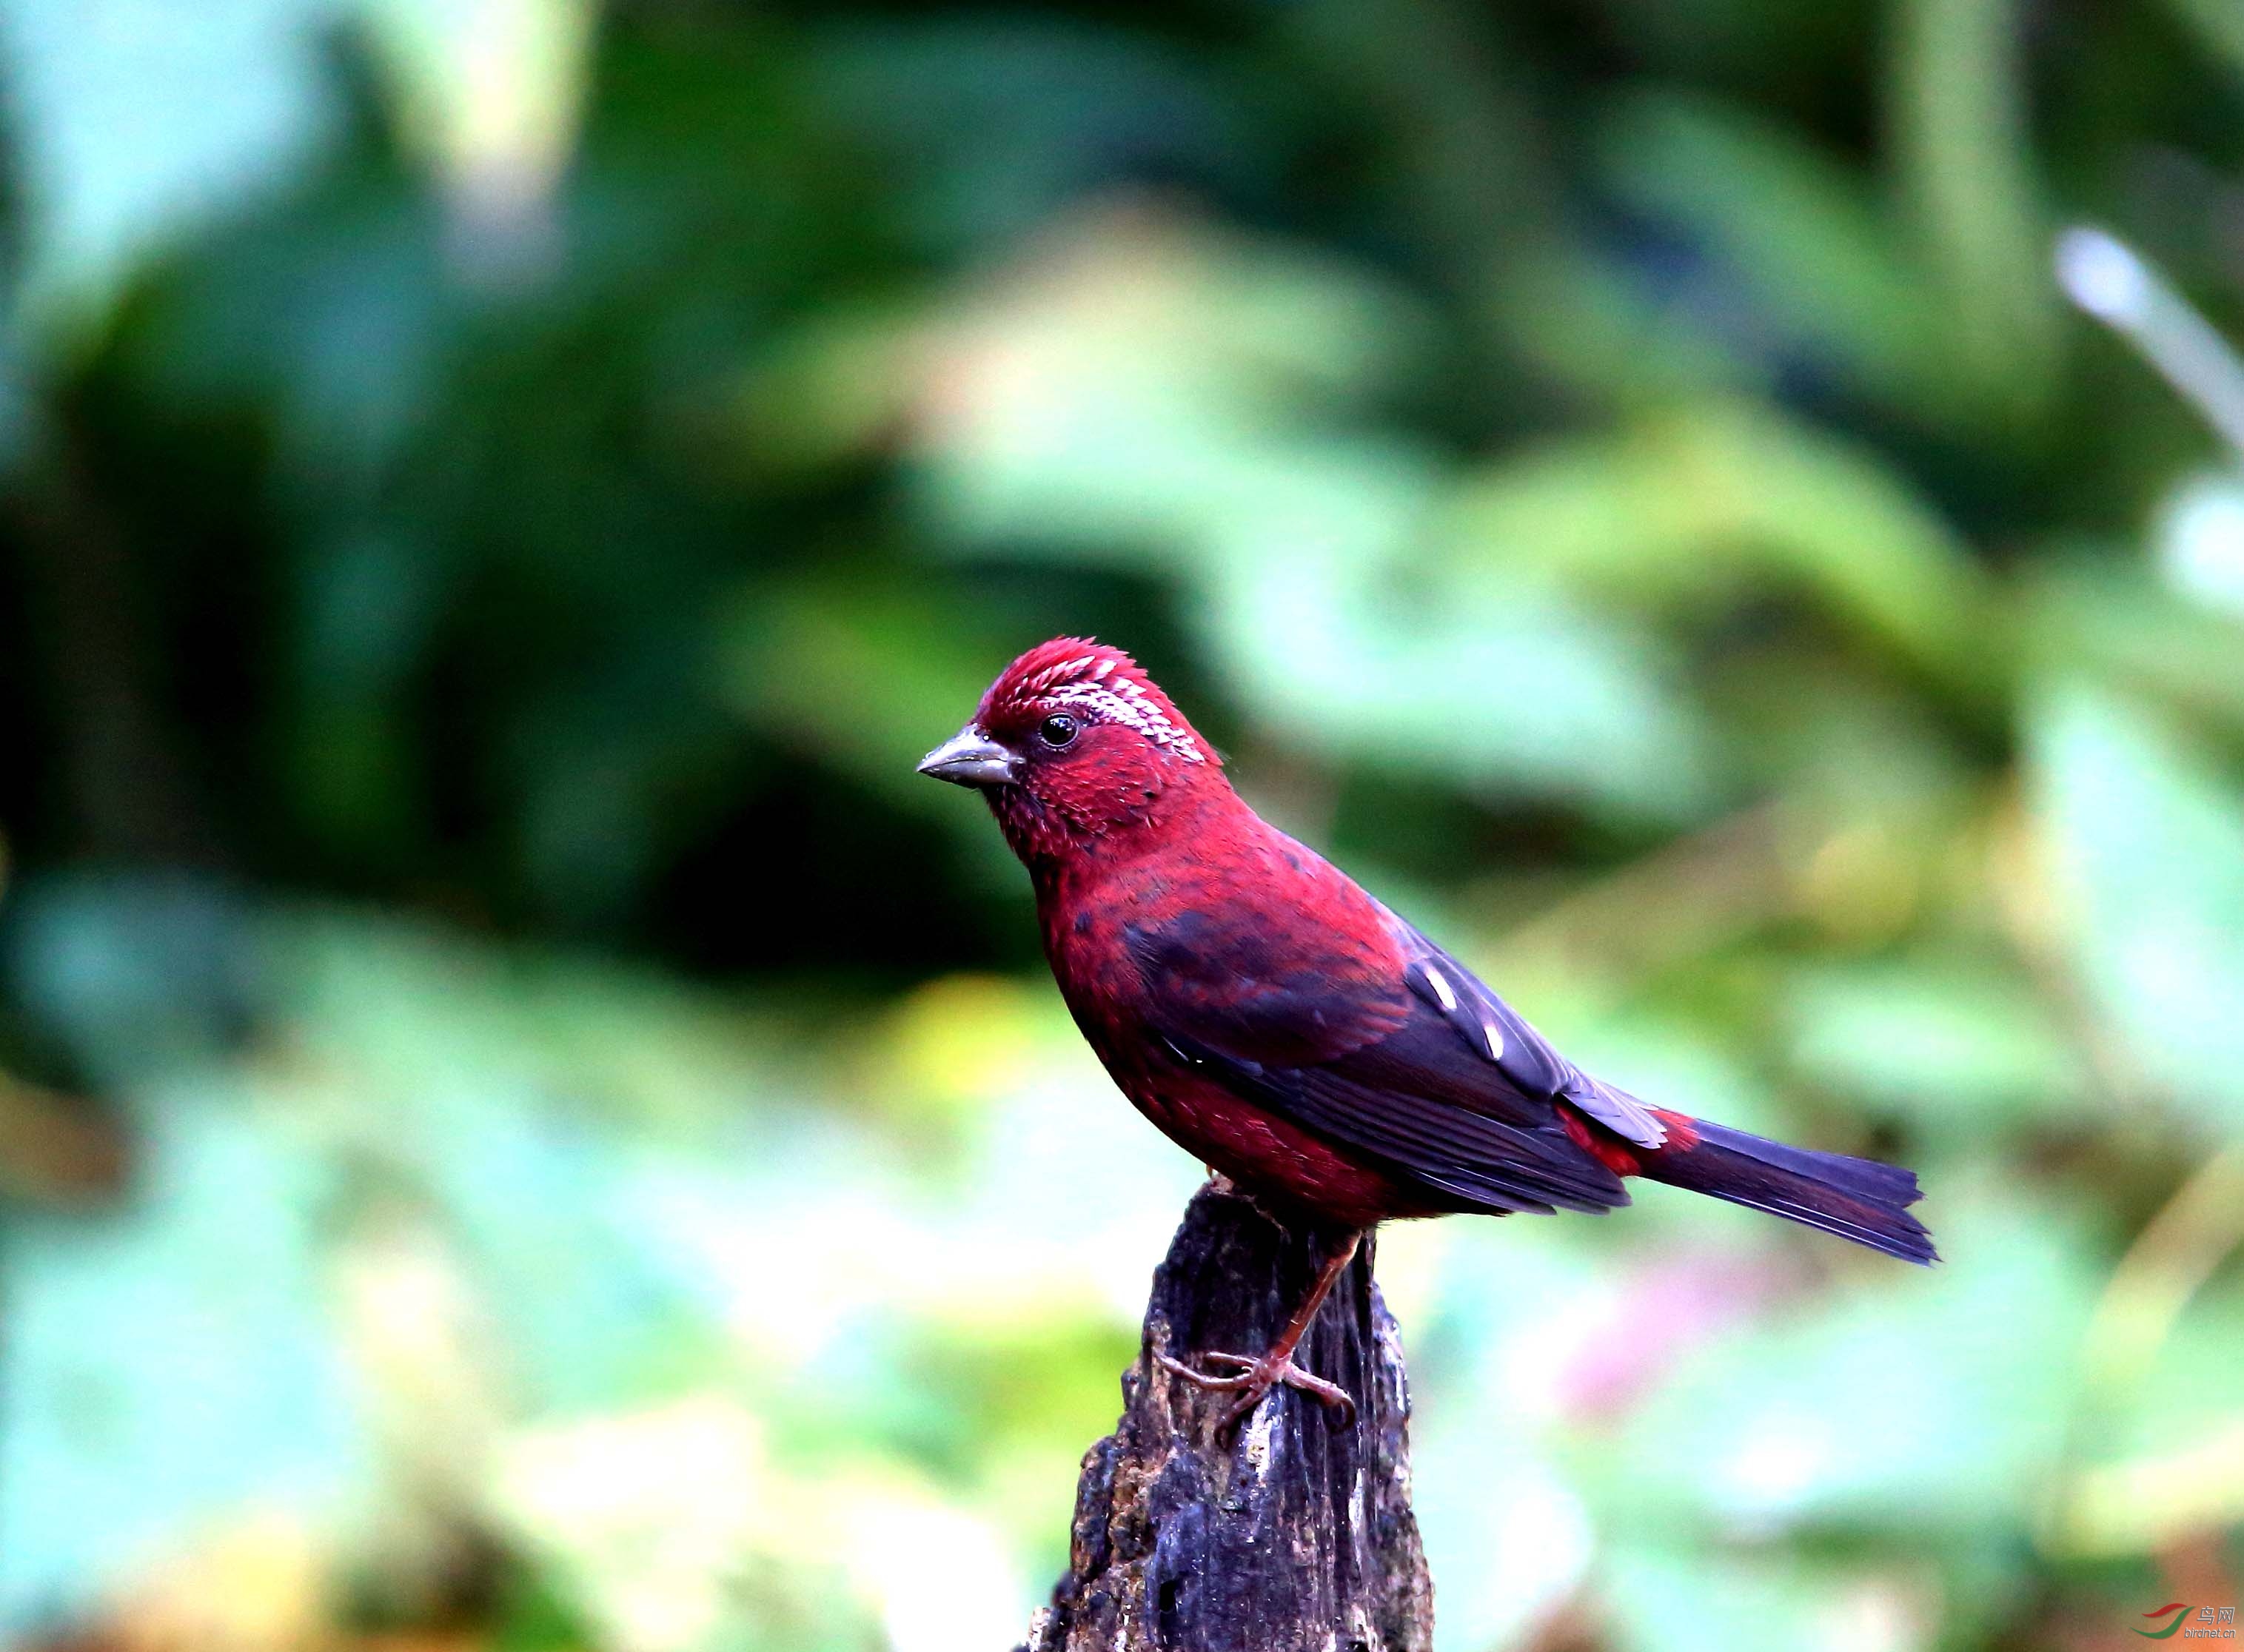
1270,1156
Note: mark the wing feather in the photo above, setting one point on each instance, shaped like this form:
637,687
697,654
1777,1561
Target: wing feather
1492,1029
1485,1164
1357,1028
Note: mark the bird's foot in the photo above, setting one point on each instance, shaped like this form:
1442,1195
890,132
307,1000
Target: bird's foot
1254,1377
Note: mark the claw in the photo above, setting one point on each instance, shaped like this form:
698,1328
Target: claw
1255,1378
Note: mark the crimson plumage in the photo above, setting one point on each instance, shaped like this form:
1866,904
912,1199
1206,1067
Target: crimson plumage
1290,1030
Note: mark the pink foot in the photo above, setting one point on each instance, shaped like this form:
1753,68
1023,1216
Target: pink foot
1256,1378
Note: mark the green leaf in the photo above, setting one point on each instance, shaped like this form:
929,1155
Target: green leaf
1916,1400
2145,840
1712,505
1958,111
1792,261
2219,28
2106,619
1952,1045
169,1362
138,124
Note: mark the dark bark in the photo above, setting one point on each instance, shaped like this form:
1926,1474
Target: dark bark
1294,1533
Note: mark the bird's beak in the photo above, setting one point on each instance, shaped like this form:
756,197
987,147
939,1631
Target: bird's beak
971,758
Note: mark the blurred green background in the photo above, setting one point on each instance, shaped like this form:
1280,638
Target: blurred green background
524,1124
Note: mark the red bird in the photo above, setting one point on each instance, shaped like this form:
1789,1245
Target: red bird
1291,1032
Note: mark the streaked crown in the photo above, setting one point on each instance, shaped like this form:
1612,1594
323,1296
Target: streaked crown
1095,683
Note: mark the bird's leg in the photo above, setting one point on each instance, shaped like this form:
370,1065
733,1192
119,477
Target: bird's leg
1256,1378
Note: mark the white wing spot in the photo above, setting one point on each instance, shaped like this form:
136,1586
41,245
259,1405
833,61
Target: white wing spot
1495,1039
1440,983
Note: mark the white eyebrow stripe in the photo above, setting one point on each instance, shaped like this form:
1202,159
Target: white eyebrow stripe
1121,700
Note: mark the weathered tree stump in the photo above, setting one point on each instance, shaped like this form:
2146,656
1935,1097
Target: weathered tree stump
1294,1533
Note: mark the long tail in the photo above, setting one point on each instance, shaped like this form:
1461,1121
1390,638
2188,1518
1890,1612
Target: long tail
1857,1199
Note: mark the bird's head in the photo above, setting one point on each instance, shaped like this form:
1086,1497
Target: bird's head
1073,744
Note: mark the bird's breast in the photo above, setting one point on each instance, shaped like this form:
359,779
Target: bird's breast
1187,938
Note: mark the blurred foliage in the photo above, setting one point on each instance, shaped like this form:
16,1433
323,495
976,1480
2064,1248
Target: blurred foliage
524,1124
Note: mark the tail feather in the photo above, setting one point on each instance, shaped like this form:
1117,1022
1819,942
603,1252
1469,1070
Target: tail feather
1857,1199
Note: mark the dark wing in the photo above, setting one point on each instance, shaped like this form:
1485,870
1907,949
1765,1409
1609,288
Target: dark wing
1521,1055
1465,1160
1365,1033
1248,983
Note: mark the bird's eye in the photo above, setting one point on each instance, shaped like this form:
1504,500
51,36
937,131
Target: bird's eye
1059,729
